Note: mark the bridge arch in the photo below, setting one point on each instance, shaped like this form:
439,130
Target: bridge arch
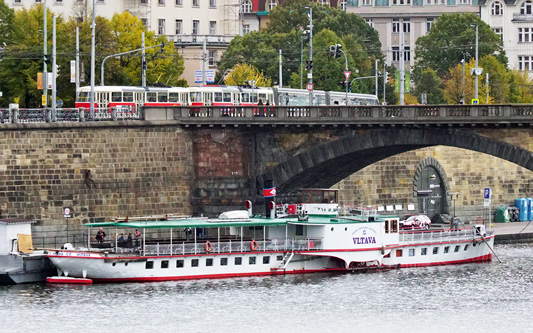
327,164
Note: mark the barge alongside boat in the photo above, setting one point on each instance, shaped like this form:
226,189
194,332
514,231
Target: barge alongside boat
305,238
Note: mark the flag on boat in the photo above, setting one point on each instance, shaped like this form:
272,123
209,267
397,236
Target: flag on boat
269,192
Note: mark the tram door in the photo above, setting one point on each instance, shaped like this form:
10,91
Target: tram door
138,99
431,180
102,100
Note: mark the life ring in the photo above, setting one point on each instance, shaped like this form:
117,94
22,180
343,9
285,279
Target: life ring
208,247
253,245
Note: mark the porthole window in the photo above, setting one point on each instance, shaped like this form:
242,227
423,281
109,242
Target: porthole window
195,262
164,264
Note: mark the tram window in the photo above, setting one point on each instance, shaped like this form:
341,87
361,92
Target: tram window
128,96
424,251
245,98
251,260
82,97
194,262
456,248
116,96
196,96
238,260
218,97
223,261
173,97
149,265
399,253
151,97
209,262
266,260
446,249
162,97
179,263
227,97
263,97
254,98
164,264
435,250
411,252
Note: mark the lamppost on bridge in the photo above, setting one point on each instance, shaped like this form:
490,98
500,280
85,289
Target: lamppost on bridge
477,71
310,74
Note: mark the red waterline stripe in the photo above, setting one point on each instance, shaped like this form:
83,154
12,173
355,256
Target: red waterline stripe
487,257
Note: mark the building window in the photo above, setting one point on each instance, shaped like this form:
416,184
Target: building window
251,260
144,21
179,3
149,265
526,8
272,4
266,260
525,35
211,58
424,251
343,5
195,262
367,2
164,264
161,26
179,263
195,27
238,260
406,25
209,262
246,6
369,22
407,53
401,2
161,2
464,2
245,29
429,24
525,63
324,2
212,3
395,25
59,1
395,53
496,8
196,3
411,252
17,2
179,27
499,32
435,250
212,27
223,261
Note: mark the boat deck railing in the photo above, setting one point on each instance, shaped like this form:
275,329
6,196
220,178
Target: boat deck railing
436,236
230,246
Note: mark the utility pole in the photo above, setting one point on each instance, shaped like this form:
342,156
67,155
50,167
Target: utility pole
402,65
487,84
376,78
280,72
204,61
54,68
143,64
301,61
463,62
476,70
384,82
310,74
45,65
93,37
77,59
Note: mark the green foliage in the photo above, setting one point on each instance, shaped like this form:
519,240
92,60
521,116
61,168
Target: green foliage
429,83
452,36
499,76
521,87
244,72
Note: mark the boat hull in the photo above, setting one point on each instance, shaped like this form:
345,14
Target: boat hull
17,269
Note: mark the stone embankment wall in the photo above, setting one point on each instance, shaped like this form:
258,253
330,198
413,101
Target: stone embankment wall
136,170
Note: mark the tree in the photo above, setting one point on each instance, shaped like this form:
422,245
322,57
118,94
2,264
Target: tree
429,83
453,85
244,72
451,37
521,87
499,78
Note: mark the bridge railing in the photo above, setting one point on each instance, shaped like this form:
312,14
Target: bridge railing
61,115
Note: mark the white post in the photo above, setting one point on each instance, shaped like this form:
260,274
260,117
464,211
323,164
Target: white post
170,241
93,37
54,69
402,65
487,83
143,64
77,59
45,67
310,75
280,72
204,61
384,82
376,78
477,77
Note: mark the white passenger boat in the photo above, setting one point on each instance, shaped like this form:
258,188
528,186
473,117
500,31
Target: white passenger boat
308,237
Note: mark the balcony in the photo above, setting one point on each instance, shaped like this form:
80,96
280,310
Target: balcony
522,17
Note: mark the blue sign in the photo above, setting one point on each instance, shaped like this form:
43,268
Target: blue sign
486,193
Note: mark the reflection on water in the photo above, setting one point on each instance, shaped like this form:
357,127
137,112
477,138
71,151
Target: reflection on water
482,297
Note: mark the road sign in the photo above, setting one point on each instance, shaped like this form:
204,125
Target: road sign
486,197
309,86
347,74
66,212
475,101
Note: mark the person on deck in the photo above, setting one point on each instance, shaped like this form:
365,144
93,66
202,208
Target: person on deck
100,235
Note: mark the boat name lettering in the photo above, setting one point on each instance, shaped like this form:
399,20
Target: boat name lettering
364,240
70,254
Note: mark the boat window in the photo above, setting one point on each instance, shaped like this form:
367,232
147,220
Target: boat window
266,260
399,253
162,97
179,263
164,264
411,252
209,262
227,97
173,97
424,251
128,96
251,260
238,261
218,97
466,247
194,262
387,226
279,258
456,248
299,230
151,97
446,249
223,261
435,250
394,226
149,265
116,96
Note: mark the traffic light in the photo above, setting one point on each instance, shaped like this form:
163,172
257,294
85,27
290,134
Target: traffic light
343,85
57,69
332,50
309,65
162,47
350,86
338,49
144,65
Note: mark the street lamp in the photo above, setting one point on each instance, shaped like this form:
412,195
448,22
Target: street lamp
463,62
476,70
310,74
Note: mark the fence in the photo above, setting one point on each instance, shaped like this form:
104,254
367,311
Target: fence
25,116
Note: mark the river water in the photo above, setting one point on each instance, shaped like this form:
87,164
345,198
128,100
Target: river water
489,297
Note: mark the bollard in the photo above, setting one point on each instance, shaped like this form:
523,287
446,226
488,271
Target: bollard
114,114
82,114
14,109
